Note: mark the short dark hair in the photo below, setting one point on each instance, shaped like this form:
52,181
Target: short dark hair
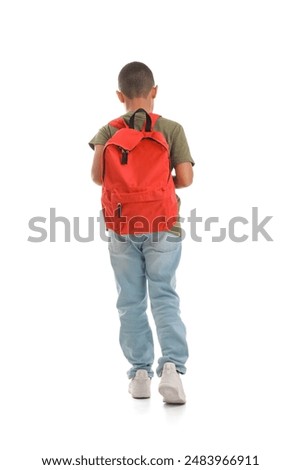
135,80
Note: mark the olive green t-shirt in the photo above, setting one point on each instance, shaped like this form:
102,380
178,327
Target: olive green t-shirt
173,133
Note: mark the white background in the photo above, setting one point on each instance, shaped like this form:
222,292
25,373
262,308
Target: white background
229,71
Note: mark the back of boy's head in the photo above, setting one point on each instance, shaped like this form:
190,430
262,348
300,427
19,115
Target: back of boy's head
135,80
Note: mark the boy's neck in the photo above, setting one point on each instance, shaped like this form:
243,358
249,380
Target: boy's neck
136,103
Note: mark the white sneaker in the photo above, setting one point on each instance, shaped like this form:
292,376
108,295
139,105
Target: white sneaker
171,387
140,385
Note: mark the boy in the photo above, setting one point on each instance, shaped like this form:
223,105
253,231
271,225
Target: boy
146,265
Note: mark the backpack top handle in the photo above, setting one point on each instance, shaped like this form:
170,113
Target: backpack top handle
148,124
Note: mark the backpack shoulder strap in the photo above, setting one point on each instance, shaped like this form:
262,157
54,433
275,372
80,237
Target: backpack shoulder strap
154,118
118,123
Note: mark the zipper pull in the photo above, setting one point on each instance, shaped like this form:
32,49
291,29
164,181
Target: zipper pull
119,206
124,156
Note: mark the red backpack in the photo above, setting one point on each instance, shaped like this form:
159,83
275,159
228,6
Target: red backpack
138,193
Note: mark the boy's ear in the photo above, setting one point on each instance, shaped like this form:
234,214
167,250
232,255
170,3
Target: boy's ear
154,91
120,96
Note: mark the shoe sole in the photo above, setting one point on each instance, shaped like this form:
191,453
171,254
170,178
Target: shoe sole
171,395
140,398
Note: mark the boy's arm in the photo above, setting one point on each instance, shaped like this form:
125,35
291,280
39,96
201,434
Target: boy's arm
184,175
97,166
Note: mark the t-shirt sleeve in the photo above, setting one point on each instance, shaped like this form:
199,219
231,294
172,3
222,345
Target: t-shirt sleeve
101,137
179,148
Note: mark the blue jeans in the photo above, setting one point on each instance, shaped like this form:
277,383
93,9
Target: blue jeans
145,265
